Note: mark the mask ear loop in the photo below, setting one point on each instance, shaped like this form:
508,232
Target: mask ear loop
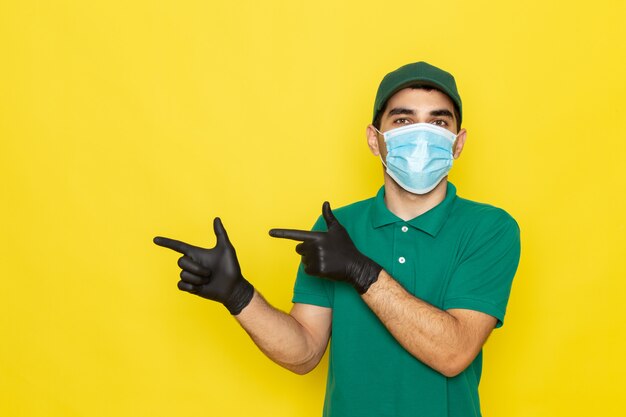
381,160
454,145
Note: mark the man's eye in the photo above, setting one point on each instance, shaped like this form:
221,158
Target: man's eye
402,121
440,122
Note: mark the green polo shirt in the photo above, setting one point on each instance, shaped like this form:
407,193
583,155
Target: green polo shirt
460,254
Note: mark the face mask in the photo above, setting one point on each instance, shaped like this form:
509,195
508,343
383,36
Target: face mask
418,155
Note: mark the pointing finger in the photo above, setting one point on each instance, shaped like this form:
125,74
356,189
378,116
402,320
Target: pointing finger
292,234
177,245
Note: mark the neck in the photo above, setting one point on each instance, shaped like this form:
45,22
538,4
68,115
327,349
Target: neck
407,205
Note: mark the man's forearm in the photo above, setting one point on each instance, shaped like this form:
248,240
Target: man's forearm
435,337
280,336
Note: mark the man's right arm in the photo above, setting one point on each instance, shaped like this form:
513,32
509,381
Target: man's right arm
296,341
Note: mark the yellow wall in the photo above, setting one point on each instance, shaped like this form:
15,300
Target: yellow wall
120,120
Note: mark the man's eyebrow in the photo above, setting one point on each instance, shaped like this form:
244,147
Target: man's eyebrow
442,112
401,110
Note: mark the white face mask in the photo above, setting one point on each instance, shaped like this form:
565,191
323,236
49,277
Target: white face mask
418,155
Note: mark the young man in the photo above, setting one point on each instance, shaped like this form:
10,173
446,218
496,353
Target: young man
410,282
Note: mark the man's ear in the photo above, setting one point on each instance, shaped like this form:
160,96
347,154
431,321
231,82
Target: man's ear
372,139
459,143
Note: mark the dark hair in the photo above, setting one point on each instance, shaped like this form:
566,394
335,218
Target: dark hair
426,87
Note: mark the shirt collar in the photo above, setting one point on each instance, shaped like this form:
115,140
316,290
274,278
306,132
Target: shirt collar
430,222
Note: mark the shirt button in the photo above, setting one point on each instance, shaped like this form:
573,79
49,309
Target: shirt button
405,229
401,259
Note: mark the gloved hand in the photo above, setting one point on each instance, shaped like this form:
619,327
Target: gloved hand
212,273
332,254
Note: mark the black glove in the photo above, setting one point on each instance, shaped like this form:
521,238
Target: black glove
332,254
212,273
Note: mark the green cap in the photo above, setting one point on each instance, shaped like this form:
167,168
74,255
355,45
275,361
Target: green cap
416,73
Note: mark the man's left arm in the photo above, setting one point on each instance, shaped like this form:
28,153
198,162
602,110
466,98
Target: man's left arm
446,340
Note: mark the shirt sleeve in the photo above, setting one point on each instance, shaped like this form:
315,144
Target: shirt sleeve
313,290
482,281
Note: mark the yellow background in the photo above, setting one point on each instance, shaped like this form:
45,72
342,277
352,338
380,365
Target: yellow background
121,120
